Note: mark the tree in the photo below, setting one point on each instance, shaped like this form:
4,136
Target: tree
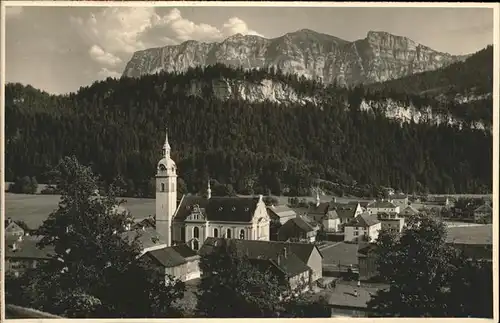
222,190
24,185
232,287
422,271
181,187
94,269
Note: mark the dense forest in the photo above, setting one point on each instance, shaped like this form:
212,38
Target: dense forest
118,127
443,88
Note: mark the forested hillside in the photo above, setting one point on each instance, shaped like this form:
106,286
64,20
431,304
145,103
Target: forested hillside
118,126
463,88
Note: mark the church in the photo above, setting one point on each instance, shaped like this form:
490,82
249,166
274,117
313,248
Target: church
197,218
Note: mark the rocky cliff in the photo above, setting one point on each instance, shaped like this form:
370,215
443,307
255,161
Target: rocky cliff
273,91
380,56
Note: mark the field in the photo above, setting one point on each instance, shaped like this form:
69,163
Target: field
34,209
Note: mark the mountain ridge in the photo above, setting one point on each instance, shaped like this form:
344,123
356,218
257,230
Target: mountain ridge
378,57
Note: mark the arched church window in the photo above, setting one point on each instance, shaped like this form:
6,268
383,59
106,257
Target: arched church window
242,234
196,245
163,187
216,232
228,233
196,232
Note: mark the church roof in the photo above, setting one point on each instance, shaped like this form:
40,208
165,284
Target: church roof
230,209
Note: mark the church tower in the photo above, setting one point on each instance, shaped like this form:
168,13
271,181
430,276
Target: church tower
166,193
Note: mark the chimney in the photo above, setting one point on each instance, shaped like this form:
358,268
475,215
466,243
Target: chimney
20,238
9,220
14,246
284,252
260,198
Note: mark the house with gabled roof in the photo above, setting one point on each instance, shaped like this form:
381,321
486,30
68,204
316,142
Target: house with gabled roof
346,212
298,230
409,211
12,229
382,206
364,226
331,222
22,253
280,213
179,261
294,263
400,200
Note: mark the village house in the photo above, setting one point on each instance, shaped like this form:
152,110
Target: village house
408,211
400,200
364,226
179,261
346,212
297,265
318,210
22,253
391,222
483,214
331,222
382,206
297,230
280,213
363,205
12,229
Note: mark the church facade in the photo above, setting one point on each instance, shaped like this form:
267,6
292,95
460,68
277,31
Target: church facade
197,218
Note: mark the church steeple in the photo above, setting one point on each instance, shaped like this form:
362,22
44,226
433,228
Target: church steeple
166,145
209,190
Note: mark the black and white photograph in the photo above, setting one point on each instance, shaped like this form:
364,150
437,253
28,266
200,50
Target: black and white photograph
245,160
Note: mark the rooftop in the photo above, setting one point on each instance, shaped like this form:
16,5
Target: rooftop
381,204
281,210
172,256
363,220
343,295
27,248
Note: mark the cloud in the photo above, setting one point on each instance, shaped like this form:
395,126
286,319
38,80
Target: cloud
113,34
105,73
12,12
237,26
99,55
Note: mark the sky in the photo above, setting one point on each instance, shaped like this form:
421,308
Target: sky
59,49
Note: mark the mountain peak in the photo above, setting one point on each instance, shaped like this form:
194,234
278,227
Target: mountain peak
305,52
